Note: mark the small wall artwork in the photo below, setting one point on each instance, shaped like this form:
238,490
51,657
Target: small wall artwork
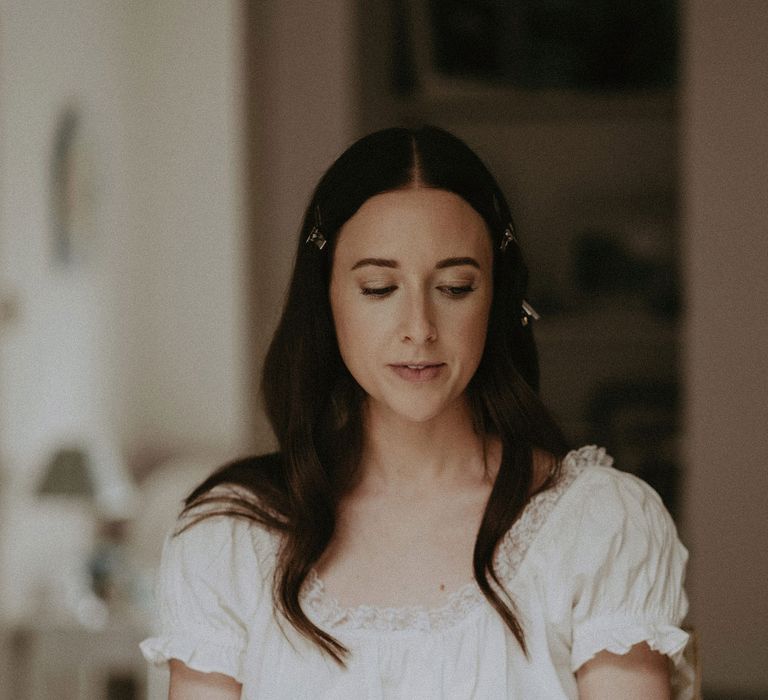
73,189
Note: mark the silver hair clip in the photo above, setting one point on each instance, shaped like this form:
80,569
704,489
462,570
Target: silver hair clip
316,235
507,237
528,313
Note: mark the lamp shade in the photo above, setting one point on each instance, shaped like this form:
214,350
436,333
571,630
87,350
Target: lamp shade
68,473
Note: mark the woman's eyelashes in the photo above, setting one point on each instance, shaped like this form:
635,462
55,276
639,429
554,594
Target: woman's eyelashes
456,291
450,290
377,291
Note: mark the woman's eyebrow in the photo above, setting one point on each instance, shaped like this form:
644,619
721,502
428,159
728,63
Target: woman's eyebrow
441,265
377,262
454,262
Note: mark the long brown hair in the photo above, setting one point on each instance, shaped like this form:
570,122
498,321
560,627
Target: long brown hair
315,406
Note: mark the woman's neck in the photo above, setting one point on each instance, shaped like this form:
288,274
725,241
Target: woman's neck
442,454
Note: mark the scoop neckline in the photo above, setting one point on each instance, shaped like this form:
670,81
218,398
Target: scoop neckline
324,609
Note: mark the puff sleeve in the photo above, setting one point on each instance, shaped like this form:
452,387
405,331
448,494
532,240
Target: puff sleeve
206,591
627,569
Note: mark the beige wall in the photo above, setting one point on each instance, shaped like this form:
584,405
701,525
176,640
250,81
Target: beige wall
144,339
142,342
183,294
725,176
58,357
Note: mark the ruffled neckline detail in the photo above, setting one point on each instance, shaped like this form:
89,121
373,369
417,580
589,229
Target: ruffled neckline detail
325,610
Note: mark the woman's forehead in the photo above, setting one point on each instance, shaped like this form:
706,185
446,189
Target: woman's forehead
416,221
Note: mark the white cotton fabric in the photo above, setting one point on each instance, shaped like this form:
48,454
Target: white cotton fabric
592,564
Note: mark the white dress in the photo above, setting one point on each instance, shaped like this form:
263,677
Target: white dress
592,564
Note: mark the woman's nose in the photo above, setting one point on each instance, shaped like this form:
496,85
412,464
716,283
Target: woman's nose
418,326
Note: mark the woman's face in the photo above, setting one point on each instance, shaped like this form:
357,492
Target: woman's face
411,290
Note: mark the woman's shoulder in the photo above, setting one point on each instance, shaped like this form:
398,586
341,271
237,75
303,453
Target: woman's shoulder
259,475
590,482
601,511
234,513
251,487
590,502
573,473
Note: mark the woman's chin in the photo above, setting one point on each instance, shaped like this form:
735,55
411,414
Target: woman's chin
418,412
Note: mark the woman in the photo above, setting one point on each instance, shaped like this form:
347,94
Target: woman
423,531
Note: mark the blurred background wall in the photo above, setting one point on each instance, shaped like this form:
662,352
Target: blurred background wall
133,323
723,175
133,333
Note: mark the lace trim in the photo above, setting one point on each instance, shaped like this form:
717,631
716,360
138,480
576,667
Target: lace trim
514,545
325,610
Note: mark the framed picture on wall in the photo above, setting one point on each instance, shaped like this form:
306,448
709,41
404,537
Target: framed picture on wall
531,45
73,189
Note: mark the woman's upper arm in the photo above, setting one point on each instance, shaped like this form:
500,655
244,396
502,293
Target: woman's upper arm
640,674
188,684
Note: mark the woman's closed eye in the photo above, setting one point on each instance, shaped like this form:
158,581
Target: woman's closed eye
377,291
456,291
453,291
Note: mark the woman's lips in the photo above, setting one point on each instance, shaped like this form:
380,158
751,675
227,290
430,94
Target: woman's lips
418,372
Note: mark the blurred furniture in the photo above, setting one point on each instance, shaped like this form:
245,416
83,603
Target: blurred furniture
47,656
74,663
